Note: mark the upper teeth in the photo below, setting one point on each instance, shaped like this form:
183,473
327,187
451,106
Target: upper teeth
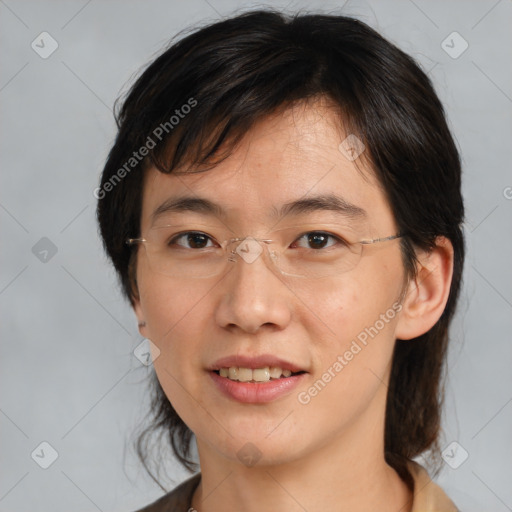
258,374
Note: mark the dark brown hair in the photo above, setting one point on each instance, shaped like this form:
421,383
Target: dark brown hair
234,72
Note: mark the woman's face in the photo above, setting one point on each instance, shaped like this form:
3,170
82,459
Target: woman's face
339,331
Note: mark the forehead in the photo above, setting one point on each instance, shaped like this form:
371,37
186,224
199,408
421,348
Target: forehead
292,155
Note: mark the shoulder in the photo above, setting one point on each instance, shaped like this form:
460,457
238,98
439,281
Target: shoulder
179,499
428,496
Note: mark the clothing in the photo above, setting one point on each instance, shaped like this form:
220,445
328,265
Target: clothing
428,496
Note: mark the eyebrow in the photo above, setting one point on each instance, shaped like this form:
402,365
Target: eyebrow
324,202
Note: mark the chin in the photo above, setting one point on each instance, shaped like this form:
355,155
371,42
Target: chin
257,449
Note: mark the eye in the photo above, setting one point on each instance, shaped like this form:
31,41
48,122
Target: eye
318,239
196,239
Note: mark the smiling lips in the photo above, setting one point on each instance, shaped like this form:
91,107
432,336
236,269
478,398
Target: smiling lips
255,379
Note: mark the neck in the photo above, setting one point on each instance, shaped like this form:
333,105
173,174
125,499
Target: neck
347,473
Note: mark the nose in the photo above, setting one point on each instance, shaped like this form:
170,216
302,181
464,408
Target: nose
253,291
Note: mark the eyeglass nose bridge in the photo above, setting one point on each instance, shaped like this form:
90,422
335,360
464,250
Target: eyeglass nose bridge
250,251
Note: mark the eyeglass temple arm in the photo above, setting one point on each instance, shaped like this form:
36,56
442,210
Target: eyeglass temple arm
385,239
132,241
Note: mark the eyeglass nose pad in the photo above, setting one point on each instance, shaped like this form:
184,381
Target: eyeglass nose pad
231,254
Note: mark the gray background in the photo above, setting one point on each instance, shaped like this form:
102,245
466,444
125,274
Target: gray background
68,373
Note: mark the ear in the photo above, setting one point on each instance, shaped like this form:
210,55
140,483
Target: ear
428,291
140,317
135,298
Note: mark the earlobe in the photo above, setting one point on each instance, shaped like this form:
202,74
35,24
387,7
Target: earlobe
427,292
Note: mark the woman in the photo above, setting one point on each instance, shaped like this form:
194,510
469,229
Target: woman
282,205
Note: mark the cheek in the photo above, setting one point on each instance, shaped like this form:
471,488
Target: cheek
167,306
351,371
361,326
175,316
336,315
354,339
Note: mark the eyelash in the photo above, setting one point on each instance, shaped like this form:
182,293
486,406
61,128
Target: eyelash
324,233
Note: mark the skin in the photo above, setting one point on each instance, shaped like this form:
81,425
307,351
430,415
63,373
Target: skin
326,455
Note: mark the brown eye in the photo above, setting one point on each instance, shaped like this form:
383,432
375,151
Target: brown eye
319,239
195,239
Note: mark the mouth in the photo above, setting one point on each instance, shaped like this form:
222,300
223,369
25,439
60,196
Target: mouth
254,380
